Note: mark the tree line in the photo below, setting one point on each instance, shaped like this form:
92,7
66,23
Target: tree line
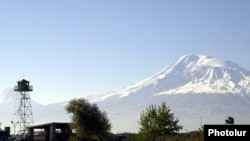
157,123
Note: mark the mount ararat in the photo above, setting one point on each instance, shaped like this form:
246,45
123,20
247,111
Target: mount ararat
198,89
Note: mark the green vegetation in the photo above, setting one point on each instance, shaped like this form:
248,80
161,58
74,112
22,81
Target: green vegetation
88,120
158,122
190,136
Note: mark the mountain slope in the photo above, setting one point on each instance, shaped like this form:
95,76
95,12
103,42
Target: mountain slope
9,100
198,89
191,74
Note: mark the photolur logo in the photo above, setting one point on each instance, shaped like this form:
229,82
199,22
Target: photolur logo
221,132
215,132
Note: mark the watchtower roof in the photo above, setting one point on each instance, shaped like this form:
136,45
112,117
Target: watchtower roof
23,81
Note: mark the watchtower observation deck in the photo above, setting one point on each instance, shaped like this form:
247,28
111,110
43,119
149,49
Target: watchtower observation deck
23,86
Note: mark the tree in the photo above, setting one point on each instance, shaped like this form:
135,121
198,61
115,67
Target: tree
88,120
157,121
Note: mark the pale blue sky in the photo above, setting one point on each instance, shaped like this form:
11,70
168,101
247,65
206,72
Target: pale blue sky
77,48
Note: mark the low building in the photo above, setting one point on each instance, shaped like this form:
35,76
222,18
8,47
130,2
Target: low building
5,134
50,132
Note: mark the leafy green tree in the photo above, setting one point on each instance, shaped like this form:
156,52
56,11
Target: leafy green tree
88,120
157,121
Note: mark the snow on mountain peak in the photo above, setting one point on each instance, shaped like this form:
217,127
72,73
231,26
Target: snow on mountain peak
8,96
200,60
191,74
204,74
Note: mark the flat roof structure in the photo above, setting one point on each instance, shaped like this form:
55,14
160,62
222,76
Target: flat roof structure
54,131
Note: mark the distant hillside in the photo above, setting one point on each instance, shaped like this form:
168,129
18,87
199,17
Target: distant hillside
198,89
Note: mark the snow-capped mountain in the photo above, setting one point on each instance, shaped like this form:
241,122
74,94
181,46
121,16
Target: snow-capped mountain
191,74
198,89
8,96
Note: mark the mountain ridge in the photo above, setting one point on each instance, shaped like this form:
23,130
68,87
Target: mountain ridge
199,89
190,72
194,87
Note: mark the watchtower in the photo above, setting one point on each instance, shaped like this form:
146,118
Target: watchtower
24,111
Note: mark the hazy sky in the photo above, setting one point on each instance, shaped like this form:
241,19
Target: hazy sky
77,48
